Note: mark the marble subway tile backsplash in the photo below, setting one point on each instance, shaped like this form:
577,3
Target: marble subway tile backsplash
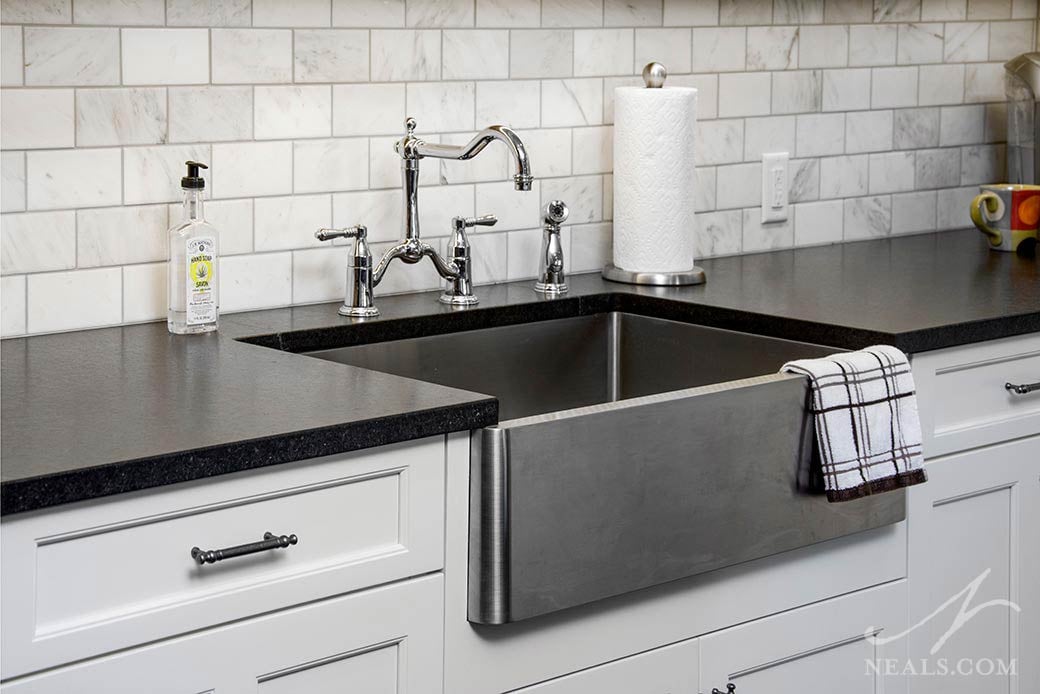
891,110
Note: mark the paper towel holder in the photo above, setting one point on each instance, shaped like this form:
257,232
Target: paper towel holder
654,75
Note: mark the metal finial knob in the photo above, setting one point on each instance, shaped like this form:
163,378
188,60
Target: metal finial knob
654,75
409,124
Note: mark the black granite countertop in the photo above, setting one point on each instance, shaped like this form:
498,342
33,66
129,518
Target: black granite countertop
93,413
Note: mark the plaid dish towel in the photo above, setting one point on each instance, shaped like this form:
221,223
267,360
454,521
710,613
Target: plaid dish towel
867,431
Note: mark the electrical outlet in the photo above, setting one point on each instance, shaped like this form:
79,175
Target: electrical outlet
774,187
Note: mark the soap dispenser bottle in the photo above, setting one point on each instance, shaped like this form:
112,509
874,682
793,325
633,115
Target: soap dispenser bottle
192,283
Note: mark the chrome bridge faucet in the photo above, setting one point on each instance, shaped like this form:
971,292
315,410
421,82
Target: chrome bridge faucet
457,268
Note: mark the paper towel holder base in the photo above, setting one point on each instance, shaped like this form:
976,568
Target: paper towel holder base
658,279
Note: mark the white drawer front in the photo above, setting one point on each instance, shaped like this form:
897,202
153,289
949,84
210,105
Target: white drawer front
382,641
963,401
108,575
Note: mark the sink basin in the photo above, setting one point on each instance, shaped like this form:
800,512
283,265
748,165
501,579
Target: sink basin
631,451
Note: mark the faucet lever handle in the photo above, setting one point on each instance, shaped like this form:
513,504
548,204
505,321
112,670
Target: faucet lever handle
487,220
358,231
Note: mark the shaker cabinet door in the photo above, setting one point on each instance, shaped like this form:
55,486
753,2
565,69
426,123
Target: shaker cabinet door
819,649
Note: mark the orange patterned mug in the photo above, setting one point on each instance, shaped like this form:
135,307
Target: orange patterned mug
1008,214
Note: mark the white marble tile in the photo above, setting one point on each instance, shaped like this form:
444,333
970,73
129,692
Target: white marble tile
165,56
736,12
515,210
290,222
12,305
475,54
996,126
247,56
319,274
232,218
209,13
298,13
405,54
330,165
368,109
490,257
508,13
943,10
891,172
738,185
292,111
37,242
74,300
938,168
331,55
524,249
608,193
1008,39
868,131
704,194
1024,9
689,13
796,92
144,292
36,11
846,90
820,134
913,212
707,87
797,11
119,12
982,164
255,281
771,48
121,235
12,181
867,218
893,87
153,174
210,114
848,11
368,13
721,49
897,10
379,210
135,116
593,150
804,180
951,205
670,47
490,165
597,52
769,134
817,223
966,42
872,45
550,151
744,94
516,103
843,177
914,128
592,246
583,195
610,84
920,43
823,46
989,9
11,63
719,142
79,56
719,233
572,102
36,118
984,82
439,13
440,204
628,13
759,237
442,106
941,84
961,125
73,178
251,168
572,13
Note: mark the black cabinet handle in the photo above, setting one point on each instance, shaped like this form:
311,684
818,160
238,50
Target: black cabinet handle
270,541
1021,388
730,688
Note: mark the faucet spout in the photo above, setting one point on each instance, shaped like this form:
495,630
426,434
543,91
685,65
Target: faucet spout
522,179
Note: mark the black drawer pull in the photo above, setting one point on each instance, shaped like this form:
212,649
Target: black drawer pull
730,689
1022,388
270,541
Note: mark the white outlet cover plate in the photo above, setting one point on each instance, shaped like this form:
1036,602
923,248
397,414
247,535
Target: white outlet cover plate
774,187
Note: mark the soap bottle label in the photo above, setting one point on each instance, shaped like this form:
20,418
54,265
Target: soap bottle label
202,280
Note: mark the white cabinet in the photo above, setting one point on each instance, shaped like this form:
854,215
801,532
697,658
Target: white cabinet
382,641
974,537
826,647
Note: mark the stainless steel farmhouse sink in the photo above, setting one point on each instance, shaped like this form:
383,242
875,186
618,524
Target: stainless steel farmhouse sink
631,451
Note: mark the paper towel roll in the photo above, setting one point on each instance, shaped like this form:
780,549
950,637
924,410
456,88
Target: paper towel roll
654,178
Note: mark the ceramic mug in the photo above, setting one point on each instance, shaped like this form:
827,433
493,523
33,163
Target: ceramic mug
1007,213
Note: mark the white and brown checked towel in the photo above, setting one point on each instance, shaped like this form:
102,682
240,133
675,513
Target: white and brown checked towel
867,430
